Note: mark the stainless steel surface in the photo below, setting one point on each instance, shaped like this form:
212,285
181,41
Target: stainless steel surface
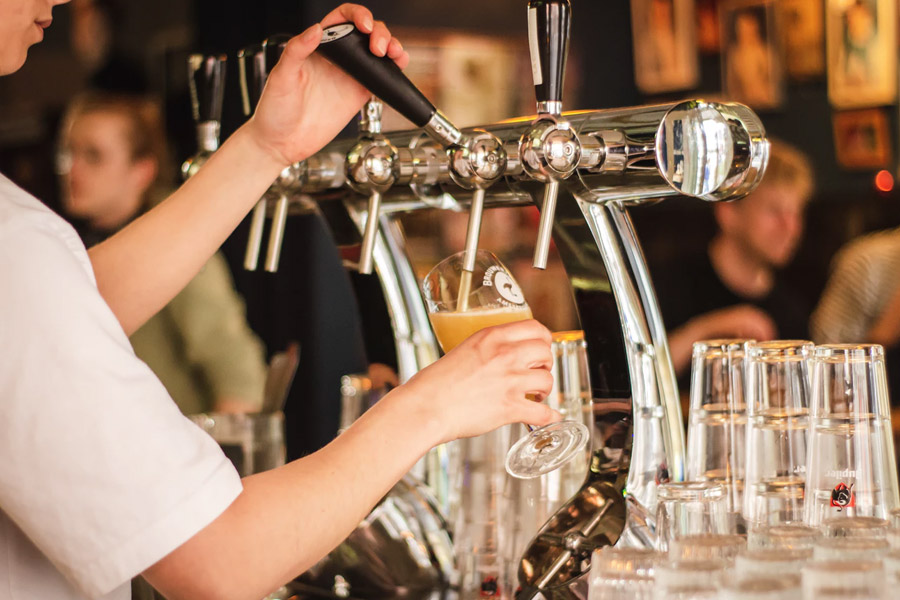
276,234
442,130
255,236
208,136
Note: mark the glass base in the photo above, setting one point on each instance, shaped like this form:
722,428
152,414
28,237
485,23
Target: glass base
546,449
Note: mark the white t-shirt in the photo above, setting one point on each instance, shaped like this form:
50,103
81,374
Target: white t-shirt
100,474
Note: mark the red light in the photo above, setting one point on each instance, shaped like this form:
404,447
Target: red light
884,181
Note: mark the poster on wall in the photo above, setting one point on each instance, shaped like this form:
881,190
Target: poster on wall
862,139
861,48
751,66
665,45
803,37
708,26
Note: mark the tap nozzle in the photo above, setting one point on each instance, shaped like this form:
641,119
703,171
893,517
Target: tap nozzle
206,80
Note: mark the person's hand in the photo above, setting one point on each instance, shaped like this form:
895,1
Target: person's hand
482,383
741,321
307,100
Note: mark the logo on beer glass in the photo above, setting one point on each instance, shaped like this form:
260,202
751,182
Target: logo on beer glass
505,285
842,497
489,588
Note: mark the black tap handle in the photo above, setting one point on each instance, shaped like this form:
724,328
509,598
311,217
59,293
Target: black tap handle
206,79
252,68
549,22
348,48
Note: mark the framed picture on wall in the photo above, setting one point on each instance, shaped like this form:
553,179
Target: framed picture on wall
708,26
862,139
665,45
803,37
861,48
751,67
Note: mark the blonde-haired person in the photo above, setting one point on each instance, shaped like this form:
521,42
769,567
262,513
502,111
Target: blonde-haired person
103,477
114,164
733,288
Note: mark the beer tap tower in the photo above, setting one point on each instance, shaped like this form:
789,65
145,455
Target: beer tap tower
584,170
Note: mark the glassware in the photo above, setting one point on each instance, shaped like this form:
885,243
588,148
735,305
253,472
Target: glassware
851,467
859,527
707,546
690,508
531,502
777,423
623,574
783,587
770,562
461,303
787,537
894,517
844,580
892,568
689,579
717,422
850,549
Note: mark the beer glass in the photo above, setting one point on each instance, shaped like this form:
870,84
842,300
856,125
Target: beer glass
707,546
689,579
782,587
849,548
843,580
787,537
768,562
717,421
851,465
461,303
777,423
623,574
858,527
690,508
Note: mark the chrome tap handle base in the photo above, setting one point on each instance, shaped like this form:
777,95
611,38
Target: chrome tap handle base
276,234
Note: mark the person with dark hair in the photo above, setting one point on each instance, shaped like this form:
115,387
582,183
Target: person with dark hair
103,477
114,165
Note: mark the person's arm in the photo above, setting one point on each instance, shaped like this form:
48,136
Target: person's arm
886,328
287,519
307,101
742,321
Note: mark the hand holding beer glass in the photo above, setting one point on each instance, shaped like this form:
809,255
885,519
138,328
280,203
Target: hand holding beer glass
490,296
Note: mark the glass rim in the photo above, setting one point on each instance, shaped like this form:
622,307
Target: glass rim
776,554
786,350
732,346
481,253
852,543
681,565
845,566
763,583
838,353
696,491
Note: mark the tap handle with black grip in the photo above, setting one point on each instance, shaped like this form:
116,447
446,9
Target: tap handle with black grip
549,22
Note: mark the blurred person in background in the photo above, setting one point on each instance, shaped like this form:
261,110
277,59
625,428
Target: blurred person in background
733,289
98,46
114,165
861,301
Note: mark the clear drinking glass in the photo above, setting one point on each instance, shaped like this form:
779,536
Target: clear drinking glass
787,537
530,502
851,549
690,508
770,562
461,303
783,587
717,422
689,579
707,546
859,527
844,580
892,569
851,466
777,423
623,574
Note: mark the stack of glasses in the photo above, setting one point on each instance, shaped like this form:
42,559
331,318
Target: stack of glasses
792,482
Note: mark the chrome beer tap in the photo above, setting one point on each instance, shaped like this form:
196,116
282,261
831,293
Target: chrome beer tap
550,150
476,160
254,63
206,80
372,168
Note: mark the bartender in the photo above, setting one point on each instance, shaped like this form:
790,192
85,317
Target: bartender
102,478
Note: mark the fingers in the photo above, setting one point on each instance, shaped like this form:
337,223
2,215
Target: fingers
533,354
535,382
298,49
351,13
521,331
534,413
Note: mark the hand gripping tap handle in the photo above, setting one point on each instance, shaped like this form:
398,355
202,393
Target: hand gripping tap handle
348,48
549,22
